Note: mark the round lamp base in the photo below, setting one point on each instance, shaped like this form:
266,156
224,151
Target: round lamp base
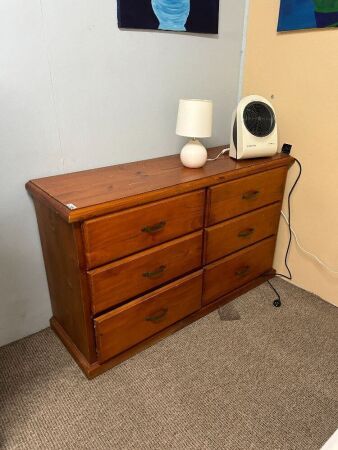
194,155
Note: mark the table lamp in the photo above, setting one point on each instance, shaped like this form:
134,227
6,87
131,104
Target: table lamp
194,120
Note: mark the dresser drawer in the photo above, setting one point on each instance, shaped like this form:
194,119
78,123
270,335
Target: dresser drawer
237,269
245,194
134,322
235,234
131,276
117,235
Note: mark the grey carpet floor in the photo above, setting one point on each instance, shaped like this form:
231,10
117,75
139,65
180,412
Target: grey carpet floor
265,381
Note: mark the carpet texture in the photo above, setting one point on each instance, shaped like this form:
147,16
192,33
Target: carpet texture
267,381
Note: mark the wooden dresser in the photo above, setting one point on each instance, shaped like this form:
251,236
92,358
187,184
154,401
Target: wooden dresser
136,251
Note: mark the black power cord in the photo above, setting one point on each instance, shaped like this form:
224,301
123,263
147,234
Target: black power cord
289,276
277,303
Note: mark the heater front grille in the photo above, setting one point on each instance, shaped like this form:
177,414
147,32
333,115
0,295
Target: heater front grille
259,119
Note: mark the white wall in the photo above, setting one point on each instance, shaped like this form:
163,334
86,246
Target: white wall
76,92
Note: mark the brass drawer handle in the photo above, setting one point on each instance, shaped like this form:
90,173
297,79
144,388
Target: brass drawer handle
158,316
156,273
250,195
246,233
154,228
243,271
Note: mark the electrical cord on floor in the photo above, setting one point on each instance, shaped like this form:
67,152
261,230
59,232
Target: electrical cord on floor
277,302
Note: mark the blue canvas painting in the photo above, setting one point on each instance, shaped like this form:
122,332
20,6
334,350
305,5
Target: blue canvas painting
195,16
301,14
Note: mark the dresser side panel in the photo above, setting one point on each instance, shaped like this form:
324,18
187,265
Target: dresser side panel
63,256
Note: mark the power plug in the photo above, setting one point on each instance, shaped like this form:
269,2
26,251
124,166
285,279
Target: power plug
286,149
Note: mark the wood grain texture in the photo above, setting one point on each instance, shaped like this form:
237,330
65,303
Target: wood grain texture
94,369
67,284
245,194
116,235
108,189
129,277
85,365
132,323
240,232
228,274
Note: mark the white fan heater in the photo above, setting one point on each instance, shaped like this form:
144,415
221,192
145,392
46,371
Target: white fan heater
254,129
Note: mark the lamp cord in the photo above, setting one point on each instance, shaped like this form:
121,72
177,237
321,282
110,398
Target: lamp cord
226,150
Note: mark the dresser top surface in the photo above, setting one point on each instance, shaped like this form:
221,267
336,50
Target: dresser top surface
107,189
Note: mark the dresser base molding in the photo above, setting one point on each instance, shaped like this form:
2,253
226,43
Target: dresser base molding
95,369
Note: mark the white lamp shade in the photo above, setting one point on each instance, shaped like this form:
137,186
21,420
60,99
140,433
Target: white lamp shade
194,118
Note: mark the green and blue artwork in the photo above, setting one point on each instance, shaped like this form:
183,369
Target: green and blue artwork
302,14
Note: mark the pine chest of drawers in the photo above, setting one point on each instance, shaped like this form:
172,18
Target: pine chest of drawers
137,251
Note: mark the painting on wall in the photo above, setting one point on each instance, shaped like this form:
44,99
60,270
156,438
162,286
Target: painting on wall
301,14
194,16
